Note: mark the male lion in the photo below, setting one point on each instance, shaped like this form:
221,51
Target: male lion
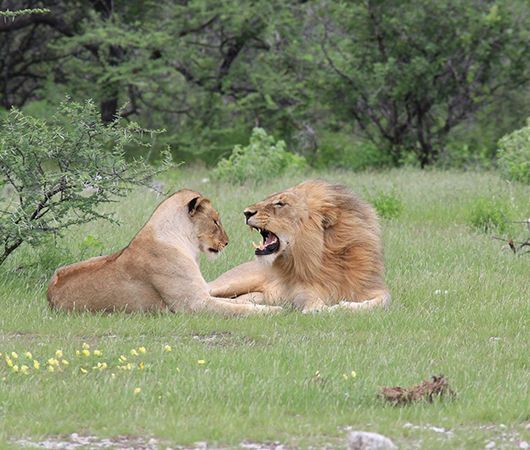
158,270
321,247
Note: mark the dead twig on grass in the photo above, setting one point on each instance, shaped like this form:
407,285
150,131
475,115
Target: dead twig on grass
426,391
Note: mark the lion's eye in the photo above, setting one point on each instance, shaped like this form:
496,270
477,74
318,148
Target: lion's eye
216,223
279,204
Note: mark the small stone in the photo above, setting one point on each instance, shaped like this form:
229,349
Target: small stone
74,436
528,426
490,444
524,445
408,425
364,440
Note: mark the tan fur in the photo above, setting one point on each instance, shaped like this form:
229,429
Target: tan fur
330,251
158,270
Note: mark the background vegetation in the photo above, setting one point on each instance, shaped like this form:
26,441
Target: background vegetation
353,84
270,93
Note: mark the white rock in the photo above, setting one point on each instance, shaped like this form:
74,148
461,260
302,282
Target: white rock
490,444
364,440
524,444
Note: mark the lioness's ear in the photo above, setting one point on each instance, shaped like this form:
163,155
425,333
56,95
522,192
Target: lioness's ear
195,204
330,216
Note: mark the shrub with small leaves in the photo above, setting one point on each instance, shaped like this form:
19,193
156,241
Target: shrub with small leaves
263,159
388,205
55,174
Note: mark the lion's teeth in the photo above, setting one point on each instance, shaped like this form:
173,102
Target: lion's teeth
254,244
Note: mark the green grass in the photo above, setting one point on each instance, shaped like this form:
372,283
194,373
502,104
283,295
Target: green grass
258,381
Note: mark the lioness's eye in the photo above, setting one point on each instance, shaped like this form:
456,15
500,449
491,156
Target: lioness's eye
216,223
279,204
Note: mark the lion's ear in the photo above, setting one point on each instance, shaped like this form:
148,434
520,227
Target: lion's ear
195,204
330,216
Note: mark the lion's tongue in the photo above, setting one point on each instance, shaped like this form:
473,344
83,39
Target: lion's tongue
271,239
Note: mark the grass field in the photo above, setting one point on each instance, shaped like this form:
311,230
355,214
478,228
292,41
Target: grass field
461,308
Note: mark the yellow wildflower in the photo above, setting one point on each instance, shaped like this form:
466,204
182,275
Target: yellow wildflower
86,352
129,366
142,366
353,374
78,353
53,362
97,352
167,348
134,352
201,361
65,362
84,370
15,368
50,369
28,355
113,375
142,350
122,359
85,346
344,376
103,366
317,374
24,369
178,370
59,353
3,378
36,364
137,390
14,355
8,361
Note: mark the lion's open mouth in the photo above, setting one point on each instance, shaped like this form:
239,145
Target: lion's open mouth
270,243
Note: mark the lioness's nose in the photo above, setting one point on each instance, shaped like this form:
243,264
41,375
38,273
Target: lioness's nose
249,213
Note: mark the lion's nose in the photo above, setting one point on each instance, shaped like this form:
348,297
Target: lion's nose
249,213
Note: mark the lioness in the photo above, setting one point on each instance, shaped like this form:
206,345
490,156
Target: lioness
158,270
321,248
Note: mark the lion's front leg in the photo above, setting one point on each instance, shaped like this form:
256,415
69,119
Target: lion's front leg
308,302
243,279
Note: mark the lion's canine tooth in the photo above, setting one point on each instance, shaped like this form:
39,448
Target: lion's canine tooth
254,244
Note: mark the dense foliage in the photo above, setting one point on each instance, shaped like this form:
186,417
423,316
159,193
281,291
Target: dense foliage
348,83
55,174
514,154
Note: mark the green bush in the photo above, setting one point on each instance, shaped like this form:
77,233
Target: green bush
56,173
488,214
263,159
514,155
388,205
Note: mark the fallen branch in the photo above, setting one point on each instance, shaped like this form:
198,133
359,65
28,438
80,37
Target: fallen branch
426,391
